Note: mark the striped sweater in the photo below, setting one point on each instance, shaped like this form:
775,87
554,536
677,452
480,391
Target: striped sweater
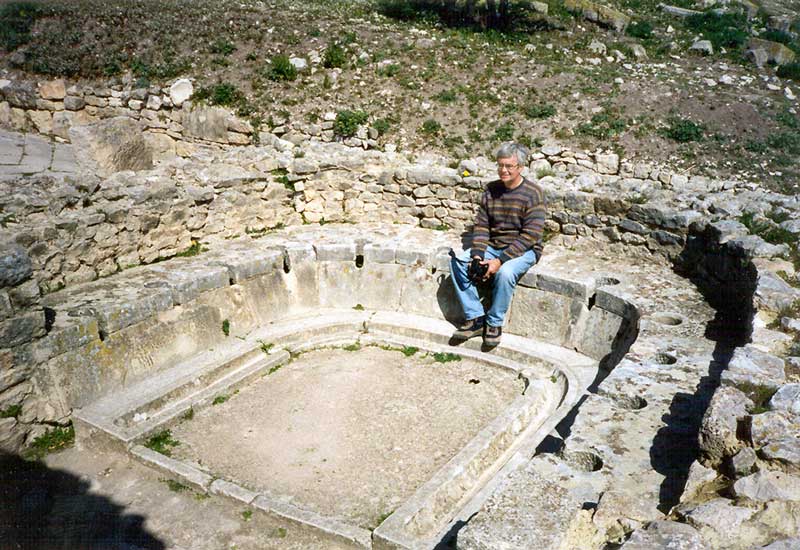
510,220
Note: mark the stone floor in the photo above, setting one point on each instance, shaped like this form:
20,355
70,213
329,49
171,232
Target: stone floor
26,154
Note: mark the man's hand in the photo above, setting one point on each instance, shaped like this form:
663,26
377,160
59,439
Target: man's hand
494,266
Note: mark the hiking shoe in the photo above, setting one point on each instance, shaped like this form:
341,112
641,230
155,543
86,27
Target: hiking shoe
469,329
491,336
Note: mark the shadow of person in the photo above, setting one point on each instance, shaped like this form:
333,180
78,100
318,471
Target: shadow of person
46,509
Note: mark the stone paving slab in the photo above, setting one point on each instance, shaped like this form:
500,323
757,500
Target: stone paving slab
28,154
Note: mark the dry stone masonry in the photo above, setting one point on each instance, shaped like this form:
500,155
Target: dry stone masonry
174,217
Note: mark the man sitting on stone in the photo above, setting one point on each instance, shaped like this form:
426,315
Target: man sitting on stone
507,240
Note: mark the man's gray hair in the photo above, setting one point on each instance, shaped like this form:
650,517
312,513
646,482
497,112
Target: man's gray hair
511,149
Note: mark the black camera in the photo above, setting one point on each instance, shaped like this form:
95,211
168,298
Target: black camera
476,270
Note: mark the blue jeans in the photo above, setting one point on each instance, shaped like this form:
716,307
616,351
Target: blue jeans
503,284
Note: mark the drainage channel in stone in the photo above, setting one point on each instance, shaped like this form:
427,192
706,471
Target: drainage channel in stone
347,433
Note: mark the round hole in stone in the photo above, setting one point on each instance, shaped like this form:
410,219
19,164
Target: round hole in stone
664,359
667,319
607,281
582,460
630,402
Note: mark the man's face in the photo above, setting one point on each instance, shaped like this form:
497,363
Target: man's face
508,169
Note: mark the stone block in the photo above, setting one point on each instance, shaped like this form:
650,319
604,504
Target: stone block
21,94
764,486
209,123
22,329
175,469
380,253
752,367
42,121
110,146
787,398
662,534
72,103
15,265
552,282
339,252
244,264
185,280
599,13
718,437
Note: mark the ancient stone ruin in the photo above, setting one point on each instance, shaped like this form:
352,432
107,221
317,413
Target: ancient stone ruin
270,323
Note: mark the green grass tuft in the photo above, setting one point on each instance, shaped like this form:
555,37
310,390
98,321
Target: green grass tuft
446,357
12,411
162,442
226,327
51,441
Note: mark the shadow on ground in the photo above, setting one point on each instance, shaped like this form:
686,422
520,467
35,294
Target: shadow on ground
42,508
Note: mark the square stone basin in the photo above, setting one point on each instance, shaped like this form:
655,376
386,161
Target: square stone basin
348,433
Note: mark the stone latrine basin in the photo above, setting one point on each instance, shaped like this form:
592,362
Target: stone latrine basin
146,349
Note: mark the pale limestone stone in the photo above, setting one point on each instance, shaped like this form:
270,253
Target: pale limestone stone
53,89
764,486
110,146
180,91
42,120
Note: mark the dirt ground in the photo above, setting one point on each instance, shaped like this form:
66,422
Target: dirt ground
347,434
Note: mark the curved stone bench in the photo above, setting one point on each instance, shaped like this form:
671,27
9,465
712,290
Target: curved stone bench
133,353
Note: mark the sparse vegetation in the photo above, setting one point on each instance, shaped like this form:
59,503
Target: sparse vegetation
162,442
226,327
267,347
54,439
175,486
193,250
355,346
220,399
347,122
446,357
683,130
334,56
237,61
12,411
281,68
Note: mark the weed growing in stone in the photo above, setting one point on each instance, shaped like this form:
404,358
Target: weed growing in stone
220,399
162,442
381,518
274,369
770,232
226,327
280,533
195,249
408,351
347,122
175,486
358,307
446,357
441,227
760,395
188,415
431,127
334,56
355,346
247,515
281,69
544,172
266,348
52,440
11,411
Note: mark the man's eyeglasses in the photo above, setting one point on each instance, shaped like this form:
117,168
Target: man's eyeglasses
508,167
